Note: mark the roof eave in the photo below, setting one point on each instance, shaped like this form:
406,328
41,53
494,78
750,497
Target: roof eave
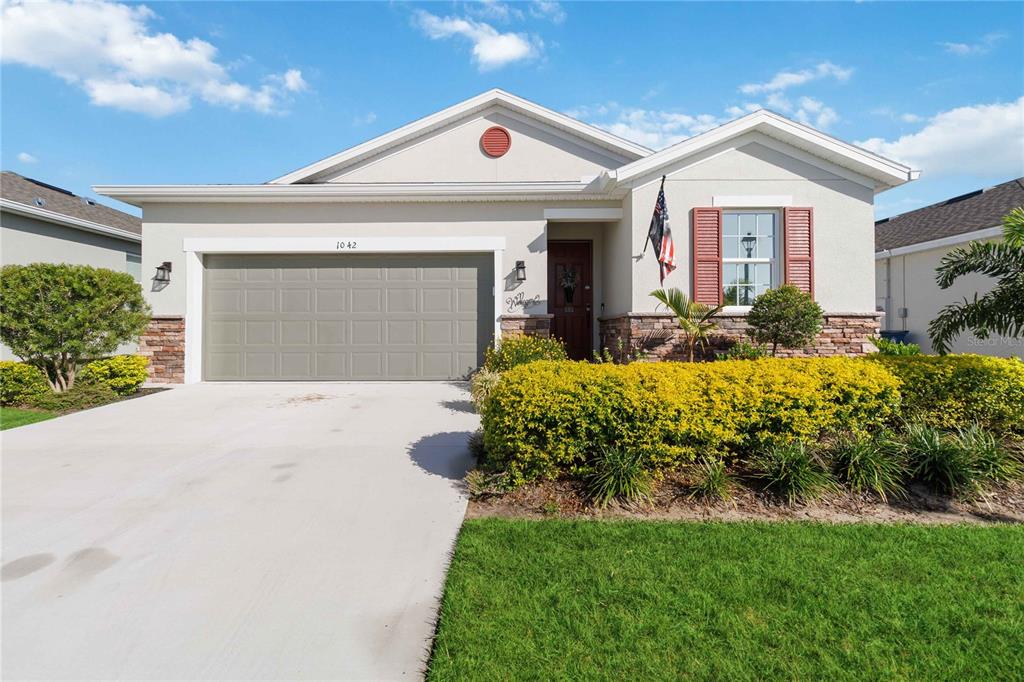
67,221
461,110
139,195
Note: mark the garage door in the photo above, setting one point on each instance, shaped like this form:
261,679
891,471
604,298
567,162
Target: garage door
357,317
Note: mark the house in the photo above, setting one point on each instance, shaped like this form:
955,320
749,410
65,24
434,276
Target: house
41,223
909,248
404,256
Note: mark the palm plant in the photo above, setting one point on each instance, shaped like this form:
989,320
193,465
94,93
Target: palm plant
1000,311
694,318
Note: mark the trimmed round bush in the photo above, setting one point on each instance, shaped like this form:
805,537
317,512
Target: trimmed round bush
20,383
513,351
124,374
955,391
548,418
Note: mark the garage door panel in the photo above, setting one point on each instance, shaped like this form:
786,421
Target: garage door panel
348,316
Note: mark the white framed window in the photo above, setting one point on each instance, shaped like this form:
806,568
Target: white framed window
750,255
133,266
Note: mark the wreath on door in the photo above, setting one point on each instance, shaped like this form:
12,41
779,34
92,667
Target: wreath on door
568,283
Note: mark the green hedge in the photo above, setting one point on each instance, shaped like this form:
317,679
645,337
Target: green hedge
953,391
124,374
546,418
20,383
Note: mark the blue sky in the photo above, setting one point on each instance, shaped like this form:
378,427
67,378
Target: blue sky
215,92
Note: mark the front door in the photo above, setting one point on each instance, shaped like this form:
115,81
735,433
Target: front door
571,296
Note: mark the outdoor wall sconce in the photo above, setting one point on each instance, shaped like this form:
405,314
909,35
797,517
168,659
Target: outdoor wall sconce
520,271
163,272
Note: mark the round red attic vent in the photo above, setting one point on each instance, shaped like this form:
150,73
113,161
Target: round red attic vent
495,141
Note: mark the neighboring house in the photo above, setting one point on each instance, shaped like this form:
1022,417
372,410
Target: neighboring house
909,247
40,223
403,257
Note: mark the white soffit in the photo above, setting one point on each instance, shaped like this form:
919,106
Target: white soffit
470,106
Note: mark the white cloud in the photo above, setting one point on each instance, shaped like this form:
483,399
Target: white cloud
493,9
25,157
652,128
365,119
985,139
784,80
807,110
983,46
911,118
491,48
108,50
547,9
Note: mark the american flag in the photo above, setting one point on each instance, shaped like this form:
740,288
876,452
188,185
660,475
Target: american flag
661,236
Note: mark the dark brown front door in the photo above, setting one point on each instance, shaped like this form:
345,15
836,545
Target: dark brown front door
571,296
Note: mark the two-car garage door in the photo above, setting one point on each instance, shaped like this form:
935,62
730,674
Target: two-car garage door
360,317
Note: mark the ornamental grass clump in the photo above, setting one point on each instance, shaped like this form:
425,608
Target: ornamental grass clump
712,481
940,461
619,474
876,464
793,472
993,459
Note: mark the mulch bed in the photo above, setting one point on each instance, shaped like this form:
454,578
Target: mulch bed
565,499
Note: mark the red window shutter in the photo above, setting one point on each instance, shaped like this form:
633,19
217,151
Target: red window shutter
798,255
707,255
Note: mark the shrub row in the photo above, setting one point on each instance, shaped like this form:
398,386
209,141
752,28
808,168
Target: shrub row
548,417
954,391
24,384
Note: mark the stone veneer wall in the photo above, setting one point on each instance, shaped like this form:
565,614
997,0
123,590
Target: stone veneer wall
526,325
658,334
163,343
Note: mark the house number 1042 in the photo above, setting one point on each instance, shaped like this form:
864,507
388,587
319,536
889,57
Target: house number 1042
344,246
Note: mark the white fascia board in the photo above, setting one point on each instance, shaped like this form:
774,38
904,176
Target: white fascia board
138,195
885,172
343,243
954,240
67,221
583,215
460,110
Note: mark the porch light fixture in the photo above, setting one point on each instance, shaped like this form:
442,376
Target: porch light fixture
163,272
520,271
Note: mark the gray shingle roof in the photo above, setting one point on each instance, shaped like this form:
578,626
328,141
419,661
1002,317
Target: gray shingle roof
22,190
977,210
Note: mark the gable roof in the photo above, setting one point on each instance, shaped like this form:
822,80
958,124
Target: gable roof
601,138
54,204
885,173
977,210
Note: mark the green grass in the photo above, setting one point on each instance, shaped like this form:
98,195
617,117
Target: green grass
11,417
665,601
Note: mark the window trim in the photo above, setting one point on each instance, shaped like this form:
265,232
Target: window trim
775,261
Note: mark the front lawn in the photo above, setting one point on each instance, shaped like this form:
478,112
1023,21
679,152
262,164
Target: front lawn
648,600
11,417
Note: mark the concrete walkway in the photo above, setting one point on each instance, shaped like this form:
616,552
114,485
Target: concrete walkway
233,531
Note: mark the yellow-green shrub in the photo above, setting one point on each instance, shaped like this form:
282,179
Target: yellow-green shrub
122,373
513,351
550,417
953,391
20,383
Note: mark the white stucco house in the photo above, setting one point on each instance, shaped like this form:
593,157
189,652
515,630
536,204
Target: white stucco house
404,256
909,248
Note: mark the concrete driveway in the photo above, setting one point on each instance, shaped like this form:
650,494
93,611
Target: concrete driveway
243,531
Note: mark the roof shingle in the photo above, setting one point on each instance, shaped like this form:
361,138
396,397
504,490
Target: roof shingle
22,190
966,213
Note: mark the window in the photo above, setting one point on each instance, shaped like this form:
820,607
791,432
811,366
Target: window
749,255
133,266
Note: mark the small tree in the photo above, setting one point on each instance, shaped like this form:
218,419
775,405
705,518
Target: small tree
784,317
55,315
694,318
1001,310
